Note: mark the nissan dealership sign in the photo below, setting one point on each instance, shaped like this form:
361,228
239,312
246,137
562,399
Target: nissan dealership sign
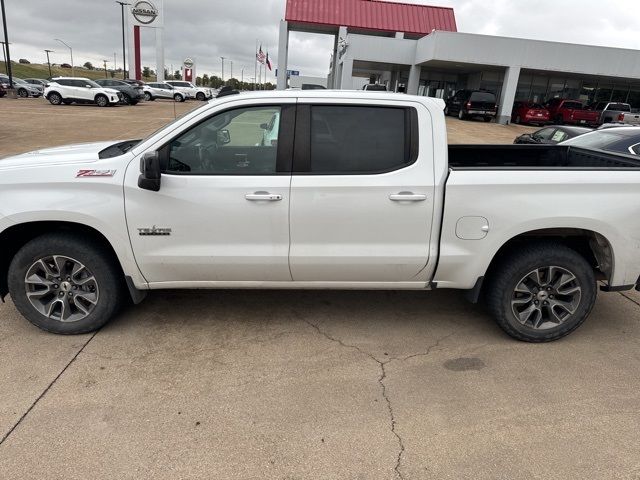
146,13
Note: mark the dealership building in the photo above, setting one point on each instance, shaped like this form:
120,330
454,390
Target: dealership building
417,49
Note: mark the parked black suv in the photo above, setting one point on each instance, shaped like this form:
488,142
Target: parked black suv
131,94
472,103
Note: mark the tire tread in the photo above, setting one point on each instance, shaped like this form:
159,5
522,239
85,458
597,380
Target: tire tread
513,264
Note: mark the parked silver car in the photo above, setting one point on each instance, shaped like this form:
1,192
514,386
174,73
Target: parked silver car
37,82
25,89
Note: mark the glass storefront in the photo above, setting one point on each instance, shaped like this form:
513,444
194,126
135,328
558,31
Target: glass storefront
533,87
540,88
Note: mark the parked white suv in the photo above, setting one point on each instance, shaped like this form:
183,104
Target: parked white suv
156,90
199,93
80,90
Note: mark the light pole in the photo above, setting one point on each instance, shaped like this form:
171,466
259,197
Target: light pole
124,58
242,75
4,54
222,58
105,68
48,62
231,70
70,50
7,59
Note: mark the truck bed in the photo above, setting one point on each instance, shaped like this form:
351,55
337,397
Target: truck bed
514,157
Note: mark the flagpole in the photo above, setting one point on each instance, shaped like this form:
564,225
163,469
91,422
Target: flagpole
255,65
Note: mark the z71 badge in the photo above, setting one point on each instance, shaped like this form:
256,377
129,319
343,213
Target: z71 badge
96,173
154,231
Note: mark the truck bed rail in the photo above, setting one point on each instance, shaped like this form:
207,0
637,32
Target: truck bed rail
533,157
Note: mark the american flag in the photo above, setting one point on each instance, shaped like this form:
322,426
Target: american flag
260,56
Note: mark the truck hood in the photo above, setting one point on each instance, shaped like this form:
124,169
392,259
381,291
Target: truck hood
79,153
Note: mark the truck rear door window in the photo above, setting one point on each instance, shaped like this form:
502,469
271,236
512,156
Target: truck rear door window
352,139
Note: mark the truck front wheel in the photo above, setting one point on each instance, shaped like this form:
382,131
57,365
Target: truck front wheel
65,285
541,292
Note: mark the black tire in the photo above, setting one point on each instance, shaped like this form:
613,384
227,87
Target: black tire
54,98
515,267
178,98
148,97
107,275
559,120
201,96
487,119
133,102
518,120
461,114
102,101
22,93
446,111
126,99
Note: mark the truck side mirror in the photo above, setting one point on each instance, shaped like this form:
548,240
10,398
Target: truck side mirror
150,172
224,137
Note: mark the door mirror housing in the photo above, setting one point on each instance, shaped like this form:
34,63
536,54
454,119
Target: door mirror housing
264,126
224,137
87,86
150,172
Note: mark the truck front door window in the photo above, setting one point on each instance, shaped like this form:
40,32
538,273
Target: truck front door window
230,143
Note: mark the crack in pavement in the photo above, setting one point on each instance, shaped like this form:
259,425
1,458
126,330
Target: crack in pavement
44,392
381,378
629,298
392,417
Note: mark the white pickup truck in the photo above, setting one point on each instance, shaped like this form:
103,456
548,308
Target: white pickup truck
359,191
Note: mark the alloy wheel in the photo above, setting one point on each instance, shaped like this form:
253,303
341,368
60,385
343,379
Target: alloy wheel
546,297
61,288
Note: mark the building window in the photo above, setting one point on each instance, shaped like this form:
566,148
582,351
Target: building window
634,97
588,92
556,88
604,92
539,89
620,93
572,89
524,88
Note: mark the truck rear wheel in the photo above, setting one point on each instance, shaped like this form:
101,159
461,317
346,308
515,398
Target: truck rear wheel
65,285
542,292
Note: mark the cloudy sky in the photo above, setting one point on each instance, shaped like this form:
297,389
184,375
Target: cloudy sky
209,29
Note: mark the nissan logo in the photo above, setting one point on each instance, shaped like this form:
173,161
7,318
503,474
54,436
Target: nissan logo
145,12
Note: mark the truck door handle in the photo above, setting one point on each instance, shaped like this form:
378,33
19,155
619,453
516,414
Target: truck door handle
408,197
263,197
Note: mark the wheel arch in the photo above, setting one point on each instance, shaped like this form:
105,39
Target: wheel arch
594,247
16,236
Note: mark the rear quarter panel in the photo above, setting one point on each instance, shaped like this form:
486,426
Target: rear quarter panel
517,201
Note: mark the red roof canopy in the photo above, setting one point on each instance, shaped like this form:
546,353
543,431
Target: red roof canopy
371,15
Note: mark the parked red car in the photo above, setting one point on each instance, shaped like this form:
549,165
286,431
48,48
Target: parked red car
572,112
527,112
